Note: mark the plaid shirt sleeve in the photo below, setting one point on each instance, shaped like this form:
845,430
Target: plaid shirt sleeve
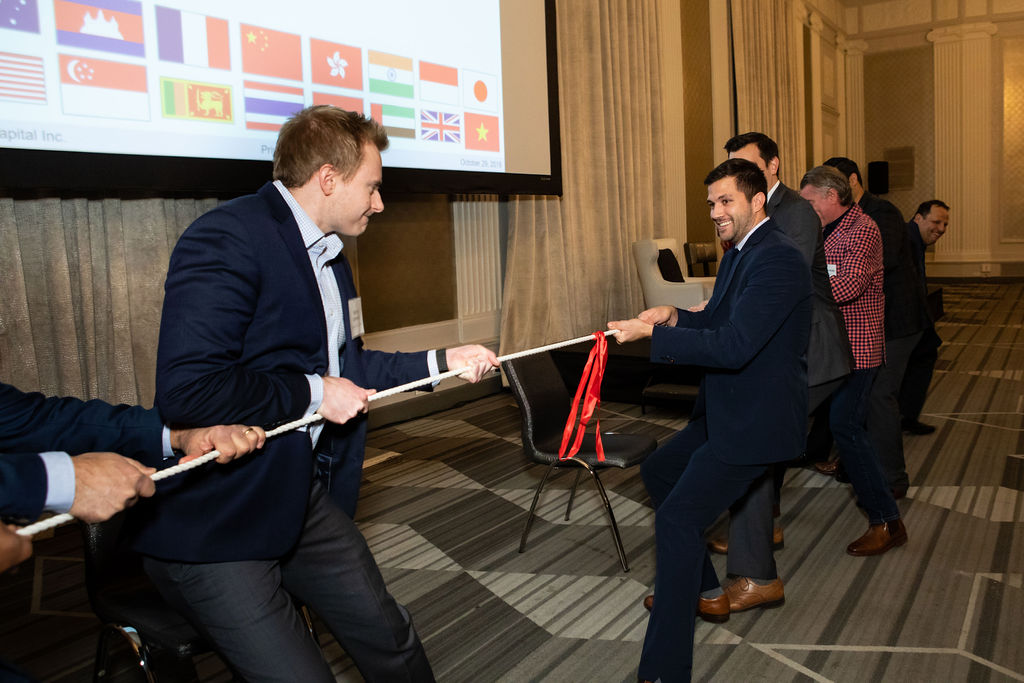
860,258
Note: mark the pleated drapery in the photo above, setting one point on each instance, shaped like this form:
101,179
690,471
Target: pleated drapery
569,266
82,292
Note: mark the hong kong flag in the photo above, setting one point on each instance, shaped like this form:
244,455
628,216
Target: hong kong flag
336,64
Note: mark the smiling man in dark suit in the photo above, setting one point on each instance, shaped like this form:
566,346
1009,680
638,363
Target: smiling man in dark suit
261,323
752,533
751,411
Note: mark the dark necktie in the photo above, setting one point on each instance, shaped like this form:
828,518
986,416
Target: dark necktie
725,269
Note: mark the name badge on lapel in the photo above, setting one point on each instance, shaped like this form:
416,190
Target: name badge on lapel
833,270
355,317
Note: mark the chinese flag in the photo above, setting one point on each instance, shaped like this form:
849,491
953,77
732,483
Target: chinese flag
482,132
336,64
271,53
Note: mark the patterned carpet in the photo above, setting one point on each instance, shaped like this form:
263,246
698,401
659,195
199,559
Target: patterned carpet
445,499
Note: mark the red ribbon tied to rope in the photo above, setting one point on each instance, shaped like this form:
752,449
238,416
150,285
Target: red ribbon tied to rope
590,384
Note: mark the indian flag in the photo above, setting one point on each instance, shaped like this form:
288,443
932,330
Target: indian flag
390,74
399,122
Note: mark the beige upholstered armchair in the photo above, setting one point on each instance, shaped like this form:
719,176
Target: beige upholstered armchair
659,291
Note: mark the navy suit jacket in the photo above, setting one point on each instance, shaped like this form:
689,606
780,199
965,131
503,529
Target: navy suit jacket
828,351
242,325
751,339
31,423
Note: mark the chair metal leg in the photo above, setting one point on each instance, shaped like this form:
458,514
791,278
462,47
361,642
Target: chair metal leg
99,671
139,649
307,617
529,517
572,494
611,519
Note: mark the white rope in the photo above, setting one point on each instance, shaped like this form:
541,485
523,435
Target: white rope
57,520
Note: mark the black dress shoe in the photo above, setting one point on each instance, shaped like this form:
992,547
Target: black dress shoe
915,427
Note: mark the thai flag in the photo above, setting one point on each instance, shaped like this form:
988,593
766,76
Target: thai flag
440,127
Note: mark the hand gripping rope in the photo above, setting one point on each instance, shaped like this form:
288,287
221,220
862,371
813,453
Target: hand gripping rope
595,366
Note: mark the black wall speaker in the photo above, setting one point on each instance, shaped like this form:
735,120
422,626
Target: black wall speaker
878,177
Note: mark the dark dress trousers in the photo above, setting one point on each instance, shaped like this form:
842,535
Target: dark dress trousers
31,423
921,364
751,412
242,325
829,359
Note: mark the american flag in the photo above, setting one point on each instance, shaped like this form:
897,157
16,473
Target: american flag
440,127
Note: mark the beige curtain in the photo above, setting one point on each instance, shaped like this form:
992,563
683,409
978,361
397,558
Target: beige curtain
569,267
768,53
82,292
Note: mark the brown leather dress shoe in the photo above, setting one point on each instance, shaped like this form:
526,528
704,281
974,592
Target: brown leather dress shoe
744,594
715,610
720,544
828,468
879,538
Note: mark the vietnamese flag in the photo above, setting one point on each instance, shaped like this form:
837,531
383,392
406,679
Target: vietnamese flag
336,64
482,132
271,53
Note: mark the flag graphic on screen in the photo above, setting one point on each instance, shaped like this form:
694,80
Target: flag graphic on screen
20,15
336,64
342,101
190,38
271,53
97,87
399,122
390,74
440,127
482,132
108,25
479,91
268,105
21,79
197,101
439,83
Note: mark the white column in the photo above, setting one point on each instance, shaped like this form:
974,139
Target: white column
853,109
478,273
817,144
963,138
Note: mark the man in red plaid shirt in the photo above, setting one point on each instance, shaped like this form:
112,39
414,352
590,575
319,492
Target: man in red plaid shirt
853,252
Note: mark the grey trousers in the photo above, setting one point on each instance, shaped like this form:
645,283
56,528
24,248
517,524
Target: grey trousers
247,611
751,523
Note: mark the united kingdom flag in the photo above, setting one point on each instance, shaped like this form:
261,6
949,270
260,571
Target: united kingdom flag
440,127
